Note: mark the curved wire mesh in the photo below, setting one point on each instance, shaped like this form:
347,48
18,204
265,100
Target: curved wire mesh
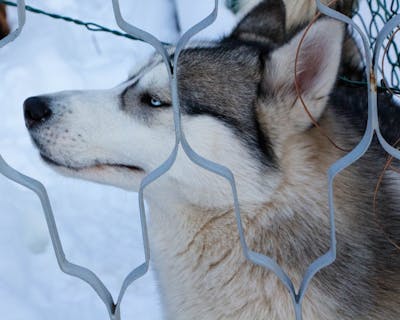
88,276
21,22
372,21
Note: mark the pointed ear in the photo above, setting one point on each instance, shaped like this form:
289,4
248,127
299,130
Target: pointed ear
264,24
317,66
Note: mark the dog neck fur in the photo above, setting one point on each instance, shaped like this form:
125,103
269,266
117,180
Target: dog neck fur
203,261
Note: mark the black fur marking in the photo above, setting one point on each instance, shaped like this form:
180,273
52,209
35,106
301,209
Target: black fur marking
264,143
223,82
352,102
256,28
250,134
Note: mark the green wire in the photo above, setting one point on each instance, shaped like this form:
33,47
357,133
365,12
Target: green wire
381,12
365,84
234,6
91,26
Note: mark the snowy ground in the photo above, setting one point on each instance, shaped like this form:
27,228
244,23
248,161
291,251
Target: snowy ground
99,225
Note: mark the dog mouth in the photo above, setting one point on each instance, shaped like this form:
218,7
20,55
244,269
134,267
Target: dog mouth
98,166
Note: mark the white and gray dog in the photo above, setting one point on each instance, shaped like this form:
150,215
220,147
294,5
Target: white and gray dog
240,109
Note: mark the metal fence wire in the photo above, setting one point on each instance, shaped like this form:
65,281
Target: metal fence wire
385,20
380,12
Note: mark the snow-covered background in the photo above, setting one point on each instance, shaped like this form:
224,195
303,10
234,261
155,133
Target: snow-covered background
99,226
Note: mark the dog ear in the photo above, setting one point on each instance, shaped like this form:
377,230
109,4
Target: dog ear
264,24
317,66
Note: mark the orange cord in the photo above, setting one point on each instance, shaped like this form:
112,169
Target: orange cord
385,53
297,85
316,124
388,164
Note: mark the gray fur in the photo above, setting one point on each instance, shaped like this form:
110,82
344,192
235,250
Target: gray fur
255,28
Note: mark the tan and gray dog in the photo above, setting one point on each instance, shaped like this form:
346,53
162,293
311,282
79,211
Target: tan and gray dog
240,109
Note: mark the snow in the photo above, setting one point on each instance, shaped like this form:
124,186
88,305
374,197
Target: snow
198,11
99,226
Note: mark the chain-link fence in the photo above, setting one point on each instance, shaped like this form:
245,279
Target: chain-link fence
372,16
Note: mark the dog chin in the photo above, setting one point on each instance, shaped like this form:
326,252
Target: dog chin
121,176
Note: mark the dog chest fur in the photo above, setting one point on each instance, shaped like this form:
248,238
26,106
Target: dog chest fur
203,273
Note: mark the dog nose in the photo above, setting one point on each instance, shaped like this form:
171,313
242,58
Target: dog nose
36,111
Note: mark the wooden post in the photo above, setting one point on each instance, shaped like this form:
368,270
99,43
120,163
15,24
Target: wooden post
4,28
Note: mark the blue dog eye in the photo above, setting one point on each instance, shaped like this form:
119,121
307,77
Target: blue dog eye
155,102
152,101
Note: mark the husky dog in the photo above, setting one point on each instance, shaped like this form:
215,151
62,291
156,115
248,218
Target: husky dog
240,108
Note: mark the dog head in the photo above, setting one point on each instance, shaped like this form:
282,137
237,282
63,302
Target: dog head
238,105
